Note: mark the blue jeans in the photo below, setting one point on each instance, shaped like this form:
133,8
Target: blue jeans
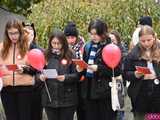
120,115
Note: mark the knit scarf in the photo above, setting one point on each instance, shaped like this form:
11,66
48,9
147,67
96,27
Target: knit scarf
91,59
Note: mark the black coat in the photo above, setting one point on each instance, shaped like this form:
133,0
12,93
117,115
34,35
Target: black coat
98,86
132,60
63,94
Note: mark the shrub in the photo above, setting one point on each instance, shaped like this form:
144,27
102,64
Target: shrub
121,15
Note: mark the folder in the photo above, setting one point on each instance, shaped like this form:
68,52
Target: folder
143,70
81,63
12,67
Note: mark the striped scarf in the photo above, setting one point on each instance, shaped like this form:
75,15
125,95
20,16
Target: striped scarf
92,55
78,46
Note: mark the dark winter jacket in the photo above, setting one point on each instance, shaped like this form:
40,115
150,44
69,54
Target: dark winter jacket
63,94
136,85
98,86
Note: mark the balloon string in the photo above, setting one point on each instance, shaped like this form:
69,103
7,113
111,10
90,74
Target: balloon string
47,90
113,72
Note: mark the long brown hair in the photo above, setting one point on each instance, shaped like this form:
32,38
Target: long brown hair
155,49
21,43
66,53
117,36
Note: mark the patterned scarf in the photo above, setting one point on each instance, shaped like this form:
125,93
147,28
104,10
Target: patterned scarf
92,55
77,47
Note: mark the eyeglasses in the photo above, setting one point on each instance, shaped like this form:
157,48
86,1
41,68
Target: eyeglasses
13,33
56,43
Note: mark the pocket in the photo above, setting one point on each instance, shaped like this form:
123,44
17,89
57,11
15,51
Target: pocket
69,91
102,87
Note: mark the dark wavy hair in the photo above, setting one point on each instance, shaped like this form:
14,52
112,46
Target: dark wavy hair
100,27
117,35
66,52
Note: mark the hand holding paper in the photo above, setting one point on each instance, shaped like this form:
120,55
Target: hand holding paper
138,74
61,78
81,63
143,70
50,73
12,67
93,67
6,69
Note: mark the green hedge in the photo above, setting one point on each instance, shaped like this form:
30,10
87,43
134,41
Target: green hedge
121,15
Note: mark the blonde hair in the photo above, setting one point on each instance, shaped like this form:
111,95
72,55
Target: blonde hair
155,49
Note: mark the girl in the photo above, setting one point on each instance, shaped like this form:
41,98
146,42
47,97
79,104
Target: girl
96,91
144,89
63,88
17,97
116,39
37,88
75,41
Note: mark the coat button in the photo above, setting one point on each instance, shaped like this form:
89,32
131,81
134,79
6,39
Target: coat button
156,81
69,90
99,80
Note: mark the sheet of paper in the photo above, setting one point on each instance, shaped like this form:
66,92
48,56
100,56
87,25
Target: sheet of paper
50,73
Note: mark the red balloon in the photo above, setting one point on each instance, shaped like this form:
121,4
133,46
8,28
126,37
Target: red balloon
1,74
111,55
36,59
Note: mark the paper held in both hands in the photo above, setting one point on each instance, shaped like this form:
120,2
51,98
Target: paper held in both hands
143,70
81,63
50,73
10,67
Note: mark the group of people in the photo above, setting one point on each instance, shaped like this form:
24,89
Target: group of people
86,91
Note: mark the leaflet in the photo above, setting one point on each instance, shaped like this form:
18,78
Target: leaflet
50,73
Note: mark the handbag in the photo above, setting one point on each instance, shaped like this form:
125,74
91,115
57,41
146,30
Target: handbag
117,93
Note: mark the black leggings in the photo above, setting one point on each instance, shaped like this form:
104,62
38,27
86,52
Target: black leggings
99,110
65,113
22,105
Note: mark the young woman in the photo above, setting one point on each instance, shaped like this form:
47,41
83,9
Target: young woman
143,20
75,41
96,91
116,39
63,88
31,34
37,88
144,89
17,97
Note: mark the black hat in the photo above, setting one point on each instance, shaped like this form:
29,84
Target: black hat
145,20
71,30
